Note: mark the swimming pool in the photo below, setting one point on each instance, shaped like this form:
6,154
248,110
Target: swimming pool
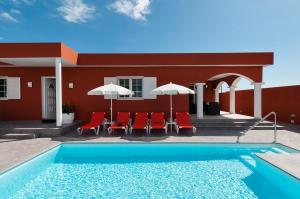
176,170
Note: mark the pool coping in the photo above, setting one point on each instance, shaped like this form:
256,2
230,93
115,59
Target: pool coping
260,156
149,143
29,158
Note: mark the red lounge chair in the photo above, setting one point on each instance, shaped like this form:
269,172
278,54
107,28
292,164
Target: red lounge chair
140,122
158,121
98,119
122,122
183,122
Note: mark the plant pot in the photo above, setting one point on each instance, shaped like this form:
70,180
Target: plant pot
67,118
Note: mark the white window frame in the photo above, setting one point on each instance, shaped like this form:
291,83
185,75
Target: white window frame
130,87
6,78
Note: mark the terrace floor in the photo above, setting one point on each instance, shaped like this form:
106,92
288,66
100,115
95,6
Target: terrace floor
14,151
227,115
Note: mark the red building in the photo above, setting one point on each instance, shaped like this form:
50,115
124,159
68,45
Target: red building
36,78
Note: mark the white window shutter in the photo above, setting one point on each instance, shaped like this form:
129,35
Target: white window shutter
13,88
108,80
149,83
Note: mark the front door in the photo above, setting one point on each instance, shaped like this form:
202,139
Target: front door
49,99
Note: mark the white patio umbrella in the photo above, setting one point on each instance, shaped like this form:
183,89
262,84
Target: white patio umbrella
171,89
111,90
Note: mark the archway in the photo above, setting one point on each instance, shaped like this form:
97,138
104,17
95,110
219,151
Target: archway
232,79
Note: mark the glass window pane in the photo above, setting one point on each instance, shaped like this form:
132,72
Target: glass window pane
3,88
124,83
137,87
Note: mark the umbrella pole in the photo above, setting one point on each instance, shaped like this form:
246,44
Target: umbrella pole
171,111
111,109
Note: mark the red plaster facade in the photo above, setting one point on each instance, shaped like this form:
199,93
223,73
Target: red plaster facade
88,71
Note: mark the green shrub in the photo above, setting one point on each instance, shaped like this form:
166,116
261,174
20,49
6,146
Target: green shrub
67,108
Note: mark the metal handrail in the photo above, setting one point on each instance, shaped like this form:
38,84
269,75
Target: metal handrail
260,121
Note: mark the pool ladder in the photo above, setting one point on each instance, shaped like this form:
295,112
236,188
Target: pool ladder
260,121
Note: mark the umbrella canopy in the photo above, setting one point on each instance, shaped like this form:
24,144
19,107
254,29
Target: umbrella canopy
171,89
111,90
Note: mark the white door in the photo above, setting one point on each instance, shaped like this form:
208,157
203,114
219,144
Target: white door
49,98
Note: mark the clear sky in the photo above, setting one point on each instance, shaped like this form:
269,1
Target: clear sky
163,26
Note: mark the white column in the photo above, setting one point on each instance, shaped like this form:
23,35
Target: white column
199,89
257,99
58,91
217,99
232,100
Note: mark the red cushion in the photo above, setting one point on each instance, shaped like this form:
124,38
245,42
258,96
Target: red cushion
118,126
186,127
97,117
89,126
96,120
141,120
157,116
138,126
123,117
183,119
157,126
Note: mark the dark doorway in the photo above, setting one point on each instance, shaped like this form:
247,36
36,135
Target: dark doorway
192,101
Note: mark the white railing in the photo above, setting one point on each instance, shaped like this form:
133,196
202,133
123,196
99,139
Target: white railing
260,121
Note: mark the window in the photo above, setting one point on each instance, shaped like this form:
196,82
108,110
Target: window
125,84
137,87
3,88
134,84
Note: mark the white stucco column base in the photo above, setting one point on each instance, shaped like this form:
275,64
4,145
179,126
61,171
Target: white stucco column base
232,100
58,86
199,88
257,100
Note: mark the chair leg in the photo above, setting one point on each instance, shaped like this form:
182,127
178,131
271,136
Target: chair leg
194,130
97,131
177,130
109,130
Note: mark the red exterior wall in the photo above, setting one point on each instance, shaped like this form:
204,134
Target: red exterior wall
283,100
29,107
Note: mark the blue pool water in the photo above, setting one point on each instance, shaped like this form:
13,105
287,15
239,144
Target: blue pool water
150,171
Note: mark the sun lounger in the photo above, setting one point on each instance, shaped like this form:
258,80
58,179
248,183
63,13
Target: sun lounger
183,122
158,121
140,122
98,119
122,122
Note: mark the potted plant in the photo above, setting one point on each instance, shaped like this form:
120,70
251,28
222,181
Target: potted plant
67,113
